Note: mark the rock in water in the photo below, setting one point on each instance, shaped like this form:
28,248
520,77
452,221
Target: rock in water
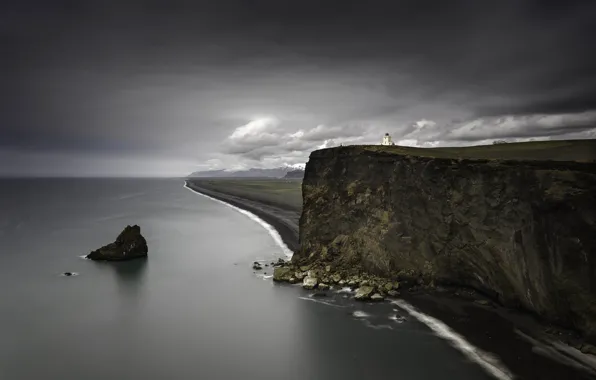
282,274
376,297
130,244
364,292
309,282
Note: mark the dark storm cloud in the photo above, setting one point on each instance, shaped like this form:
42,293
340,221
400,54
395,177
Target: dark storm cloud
178,79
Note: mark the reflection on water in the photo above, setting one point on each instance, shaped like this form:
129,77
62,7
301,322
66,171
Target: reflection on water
130,275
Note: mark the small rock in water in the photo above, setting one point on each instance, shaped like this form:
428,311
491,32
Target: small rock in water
364,292
319,294
256,266
323,286
282,274
393,293
309,283
376,297
68,273
279,262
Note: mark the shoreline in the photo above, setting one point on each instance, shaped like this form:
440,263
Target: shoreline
517,339
284,221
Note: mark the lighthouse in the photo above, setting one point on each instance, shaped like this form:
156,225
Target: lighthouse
387,140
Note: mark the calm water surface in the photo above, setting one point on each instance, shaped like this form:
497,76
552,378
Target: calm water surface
193,310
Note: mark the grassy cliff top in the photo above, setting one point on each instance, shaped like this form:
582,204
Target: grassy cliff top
559,150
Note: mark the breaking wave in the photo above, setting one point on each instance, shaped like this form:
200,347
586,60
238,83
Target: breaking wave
487,361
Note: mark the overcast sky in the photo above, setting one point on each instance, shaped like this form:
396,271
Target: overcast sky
104,87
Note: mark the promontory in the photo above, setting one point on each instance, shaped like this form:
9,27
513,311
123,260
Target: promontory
514,221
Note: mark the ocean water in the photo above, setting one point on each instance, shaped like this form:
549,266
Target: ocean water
195,309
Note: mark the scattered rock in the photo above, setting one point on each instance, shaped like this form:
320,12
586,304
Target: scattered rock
376,297
309,282
388,287
279,262
305,268
293,280
393,293
342,282
130,244
328,268
300,275
364,292
336,278
323,286
282,274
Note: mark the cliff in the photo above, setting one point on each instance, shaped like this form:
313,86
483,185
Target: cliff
521,230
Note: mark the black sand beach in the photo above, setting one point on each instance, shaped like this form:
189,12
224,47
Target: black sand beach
516,338
283,217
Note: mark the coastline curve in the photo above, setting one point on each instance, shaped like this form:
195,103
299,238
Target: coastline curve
270,229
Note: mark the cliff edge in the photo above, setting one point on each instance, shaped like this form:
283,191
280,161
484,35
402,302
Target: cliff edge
522,230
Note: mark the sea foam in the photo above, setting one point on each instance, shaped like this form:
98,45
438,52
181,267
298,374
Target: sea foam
487,361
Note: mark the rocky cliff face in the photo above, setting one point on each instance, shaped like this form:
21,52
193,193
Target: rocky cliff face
523,232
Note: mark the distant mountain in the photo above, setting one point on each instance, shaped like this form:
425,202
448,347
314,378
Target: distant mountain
250,173
298,173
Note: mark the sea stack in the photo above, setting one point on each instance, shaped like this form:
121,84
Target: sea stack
130,244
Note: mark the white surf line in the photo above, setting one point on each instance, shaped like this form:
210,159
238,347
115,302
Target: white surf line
272,231
487,361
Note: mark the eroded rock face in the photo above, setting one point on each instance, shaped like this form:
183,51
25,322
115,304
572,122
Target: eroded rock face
523,232
130,244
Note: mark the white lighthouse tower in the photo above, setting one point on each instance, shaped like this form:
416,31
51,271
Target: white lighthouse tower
387,140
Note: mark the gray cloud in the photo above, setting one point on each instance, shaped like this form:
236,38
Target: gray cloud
93,80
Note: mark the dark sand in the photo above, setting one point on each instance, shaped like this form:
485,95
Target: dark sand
516,338
283,218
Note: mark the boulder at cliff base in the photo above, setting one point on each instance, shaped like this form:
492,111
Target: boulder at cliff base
130,244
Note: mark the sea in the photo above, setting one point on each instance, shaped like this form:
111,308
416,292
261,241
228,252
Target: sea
195,309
